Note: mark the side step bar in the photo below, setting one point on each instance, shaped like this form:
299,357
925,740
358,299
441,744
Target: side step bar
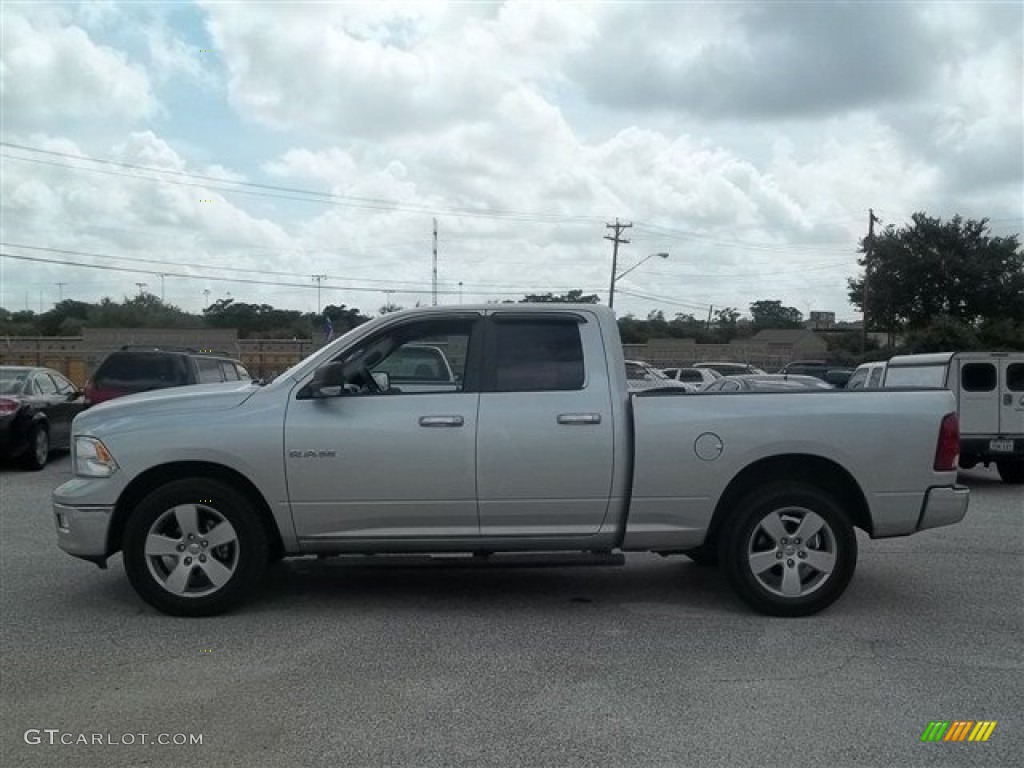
482,560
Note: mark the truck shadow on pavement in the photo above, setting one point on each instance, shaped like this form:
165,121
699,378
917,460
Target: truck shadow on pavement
675,583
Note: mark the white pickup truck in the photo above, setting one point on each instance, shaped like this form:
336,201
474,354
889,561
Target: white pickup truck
540,448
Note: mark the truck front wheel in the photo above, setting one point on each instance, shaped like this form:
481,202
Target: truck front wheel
1011,470
194,547
789,549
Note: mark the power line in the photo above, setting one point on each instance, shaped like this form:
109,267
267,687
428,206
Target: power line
306,195
253,271
678,234
663,300
251,281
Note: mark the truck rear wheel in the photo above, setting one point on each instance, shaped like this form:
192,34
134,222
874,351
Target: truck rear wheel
789,549
194,547
1011,470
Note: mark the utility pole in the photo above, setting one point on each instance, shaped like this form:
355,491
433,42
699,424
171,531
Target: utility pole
434,290
616,239
869,246
162,276
206,294
318,278
460,292
60,291
710,307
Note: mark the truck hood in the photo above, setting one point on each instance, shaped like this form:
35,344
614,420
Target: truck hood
197,398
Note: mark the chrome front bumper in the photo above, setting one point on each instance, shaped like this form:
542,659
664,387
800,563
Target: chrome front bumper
82,531
944,506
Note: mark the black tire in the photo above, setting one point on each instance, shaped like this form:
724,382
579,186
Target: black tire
1011,470
704,555
237,564
38,451
815,572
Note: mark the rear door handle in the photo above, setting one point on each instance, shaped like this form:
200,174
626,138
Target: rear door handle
579,418
441,421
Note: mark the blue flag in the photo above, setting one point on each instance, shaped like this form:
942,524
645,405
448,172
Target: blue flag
328,327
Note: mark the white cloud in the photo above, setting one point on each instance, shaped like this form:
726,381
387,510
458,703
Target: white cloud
51,71
709,126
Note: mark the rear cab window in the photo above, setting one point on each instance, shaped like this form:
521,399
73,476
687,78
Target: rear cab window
926,376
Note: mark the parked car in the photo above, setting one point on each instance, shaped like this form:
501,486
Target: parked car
867,376
767,382
989,391
698,378
418,368
134,369
37,406
641,376
835,375
729,369
541,449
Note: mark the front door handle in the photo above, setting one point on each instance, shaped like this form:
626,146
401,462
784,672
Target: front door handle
441,421
579,418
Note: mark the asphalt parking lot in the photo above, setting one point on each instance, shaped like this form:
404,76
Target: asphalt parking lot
654,664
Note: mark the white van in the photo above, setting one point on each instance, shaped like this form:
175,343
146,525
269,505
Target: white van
989,389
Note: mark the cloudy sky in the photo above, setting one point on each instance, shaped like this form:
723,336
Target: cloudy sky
241,148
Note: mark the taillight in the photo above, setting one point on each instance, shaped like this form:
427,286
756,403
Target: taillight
947,452
8,406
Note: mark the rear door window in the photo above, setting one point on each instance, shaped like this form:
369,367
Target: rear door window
876,378
978,377
538,355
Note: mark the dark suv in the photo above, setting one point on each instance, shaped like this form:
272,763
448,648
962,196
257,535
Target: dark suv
138,369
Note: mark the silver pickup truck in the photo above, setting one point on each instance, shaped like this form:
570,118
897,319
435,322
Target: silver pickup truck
539,449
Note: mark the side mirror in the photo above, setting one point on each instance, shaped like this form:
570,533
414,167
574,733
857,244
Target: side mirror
383,380
328,381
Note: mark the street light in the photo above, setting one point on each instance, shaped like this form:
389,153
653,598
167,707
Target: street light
616,278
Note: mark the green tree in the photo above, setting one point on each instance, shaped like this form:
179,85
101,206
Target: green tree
772,314
943,334
574,296
931,269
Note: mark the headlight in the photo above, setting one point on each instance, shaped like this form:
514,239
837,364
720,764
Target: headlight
92,459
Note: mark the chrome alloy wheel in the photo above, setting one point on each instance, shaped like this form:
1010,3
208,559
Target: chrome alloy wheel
191,550
792,552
